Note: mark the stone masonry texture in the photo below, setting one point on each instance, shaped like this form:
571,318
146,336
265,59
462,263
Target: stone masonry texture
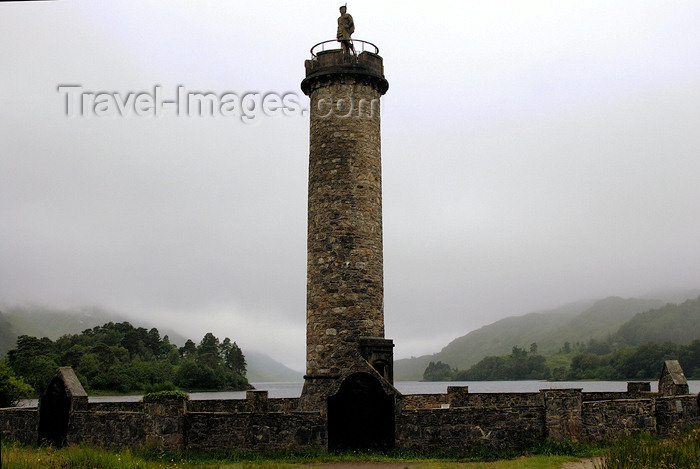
345,292
457,420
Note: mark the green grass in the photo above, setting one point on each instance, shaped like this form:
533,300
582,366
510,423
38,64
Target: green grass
681,450
76,457
559,360
16,456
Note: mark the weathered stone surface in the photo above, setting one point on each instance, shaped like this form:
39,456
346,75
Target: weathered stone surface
20,424
637,389
345,283
255,430
116,406
563,419
345,292
111,428
461,428
607,420
420,401
676,412
240,405
672,381
491,419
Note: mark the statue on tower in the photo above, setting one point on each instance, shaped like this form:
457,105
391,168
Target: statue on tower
345,29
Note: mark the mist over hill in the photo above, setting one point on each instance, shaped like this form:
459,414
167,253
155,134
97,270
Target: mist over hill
677,323
41,321
550,329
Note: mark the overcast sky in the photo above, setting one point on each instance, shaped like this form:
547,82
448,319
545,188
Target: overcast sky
534,153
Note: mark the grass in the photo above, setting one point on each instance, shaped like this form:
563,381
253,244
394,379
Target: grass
680,450
559,360
17,456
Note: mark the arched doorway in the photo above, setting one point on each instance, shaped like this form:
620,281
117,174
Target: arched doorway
54,409
361,415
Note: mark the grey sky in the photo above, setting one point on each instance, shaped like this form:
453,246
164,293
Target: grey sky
534,153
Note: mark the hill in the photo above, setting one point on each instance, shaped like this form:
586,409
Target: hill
574,322
40,321
597,322
8,336
677,323
263,369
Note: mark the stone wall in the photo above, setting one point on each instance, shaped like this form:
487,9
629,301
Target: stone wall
241,405
461,428
456,420
604,396
607,420
420,401
496,400
20,424
254,430
110,428
676,412
116,406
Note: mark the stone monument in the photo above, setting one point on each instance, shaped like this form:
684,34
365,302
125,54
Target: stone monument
349,362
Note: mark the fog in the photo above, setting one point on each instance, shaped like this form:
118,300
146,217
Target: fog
534,153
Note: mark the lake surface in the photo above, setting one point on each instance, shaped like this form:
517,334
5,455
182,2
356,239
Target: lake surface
407,387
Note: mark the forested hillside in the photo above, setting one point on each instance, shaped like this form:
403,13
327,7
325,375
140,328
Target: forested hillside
119,357
575,322
7,335
41,321
634,351
678,323
643,362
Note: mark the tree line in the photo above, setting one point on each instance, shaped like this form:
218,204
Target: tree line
519,365
118,357
597,360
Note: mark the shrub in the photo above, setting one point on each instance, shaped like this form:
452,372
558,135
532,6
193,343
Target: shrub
160,396
12,388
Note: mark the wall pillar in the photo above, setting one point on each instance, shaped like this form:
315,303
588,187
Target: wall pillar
167,415
562,413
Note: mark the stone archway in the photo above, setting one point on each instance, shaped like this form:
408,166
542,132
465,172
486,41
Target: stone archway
54,411
361,415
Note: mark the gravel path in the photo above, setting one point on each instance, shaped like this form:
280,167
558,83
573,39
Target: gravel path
366,465
586,463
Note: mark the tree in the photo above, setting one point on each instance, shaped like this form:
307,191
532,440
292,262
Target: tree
189,350
438,372
235,360
533,348
119,357
12,388
208,351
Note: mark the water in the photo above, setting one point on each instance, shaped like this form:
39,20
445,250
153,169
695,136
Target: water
408,387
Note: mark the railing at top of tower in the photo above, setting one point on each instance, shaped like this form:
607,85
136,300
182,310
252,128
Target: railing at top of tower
363,46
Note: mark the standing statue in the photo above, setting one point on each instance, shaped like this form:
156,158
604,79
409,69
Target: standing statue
345,29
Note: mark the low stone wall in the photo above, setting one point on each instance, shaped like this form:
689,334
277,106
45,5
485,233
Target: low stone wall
460,428
676,412
456,420
20,424
284,404
116,406
607,420
218,405
497,400
254,430
604,396
107,428
242,405
421,401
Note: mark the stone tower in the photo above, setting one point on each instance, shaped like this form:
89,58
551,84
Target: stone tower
345,285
